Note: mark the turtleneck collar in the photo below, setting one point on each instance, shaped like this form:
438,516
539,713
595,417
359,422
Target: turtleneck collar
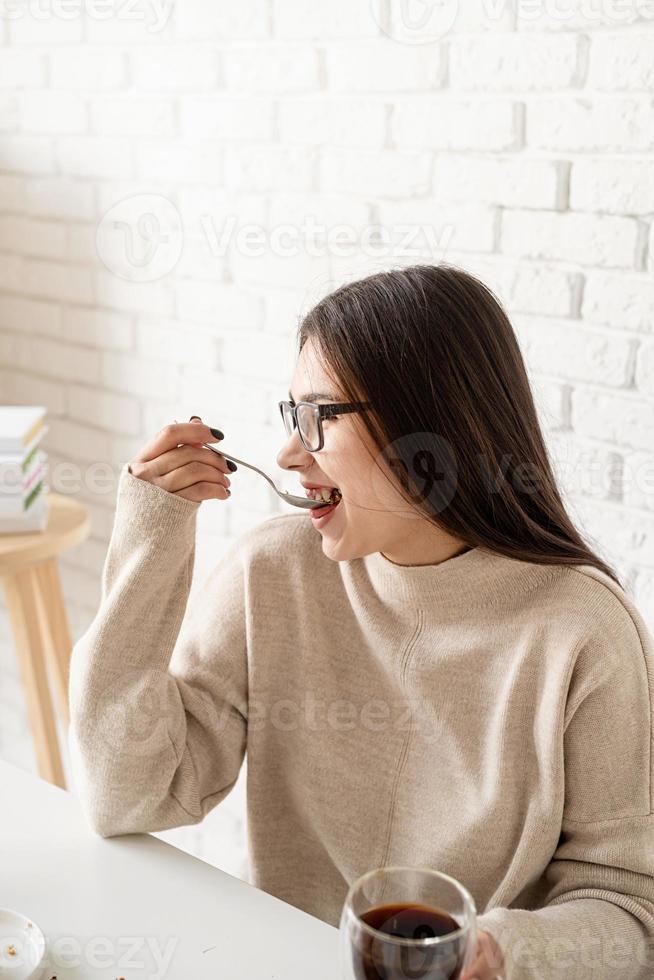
472,578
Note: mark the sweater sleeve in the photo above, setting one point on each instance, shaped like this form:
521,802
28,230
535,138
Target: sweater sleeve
596,920
158,699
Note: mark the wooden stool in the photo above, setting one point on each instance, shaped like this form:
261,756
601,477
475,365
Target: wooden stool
28,568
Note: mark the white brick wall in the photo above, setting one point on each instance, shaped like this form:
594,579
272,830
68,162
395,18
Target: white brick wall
522,142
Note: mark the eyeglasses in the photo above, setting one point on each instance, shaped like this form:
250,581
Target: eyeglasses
308,416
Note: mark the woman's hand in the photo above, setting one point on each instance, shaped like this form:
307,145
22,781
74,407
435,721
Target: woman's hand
489,960
177,461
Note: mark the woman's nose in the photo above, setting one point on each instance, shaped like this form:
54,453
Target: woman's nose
293,455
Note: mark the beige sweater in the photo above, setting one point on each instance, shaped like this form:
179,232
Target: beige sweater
486,717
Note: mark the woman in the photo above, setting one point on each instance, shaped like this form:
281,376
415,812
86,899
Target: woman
439,672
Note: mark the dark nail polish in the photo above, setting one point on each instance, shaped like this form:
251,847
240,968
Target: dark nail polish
195,417
217,433
233,467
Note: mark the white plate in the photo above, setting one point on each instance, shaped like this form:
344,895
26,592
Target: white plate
27,940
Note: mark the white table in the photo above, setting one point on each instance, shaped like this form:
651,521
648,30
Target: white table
138,908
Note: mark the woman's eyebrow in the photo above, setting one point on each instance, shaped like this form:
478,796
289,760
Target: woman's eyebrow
312,396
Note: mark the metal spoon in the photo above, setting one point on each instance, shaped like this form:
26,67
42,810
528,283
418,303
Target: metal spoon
290,498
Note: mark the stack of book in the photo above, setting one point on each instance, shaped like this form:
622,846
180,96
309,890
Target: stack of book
23,469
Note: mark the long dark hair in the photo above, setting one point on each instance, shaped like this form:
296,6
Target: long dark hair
432,349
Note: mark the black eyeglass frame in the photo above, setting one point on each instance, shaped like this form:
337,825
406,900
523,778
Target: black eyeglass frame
324,412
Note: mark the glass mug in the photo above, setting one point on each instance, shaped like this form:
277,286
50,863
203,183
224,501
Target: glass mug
403,923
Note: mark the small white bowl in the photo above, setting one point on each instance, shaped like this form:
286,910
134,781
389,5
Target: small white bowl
28,942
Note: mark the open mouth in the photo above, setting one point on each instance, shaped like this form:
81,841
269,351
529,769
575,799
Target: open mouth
330,495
